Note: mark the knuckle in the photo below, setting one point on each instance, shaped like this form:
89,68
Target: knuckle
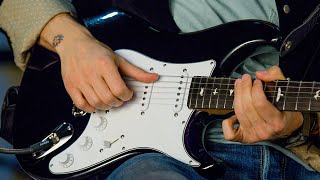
122,93
278,127
229,137
81,104
108,99
259,104
264,136
96,102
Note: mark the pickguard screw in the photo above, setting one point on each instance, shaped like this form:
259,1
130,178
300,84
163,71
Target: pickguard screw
123,148
107,111
175,114
184,70
211,63
183,122
101,150
51,165
164,65
142,113
122,136
190,162
151,69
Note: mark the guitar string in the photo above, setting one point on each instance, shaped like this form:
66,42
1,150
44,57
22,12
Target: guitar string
270,85
217,78
190,78
208,89
287,107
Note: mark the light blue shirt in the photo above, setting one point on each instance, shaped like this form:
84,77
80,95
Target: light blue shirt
195,15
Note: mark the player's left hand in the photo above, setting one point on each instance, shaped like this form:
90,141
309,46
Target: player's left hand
258,119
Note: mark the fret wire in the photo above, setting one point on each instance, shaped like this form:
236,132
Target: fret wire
285,97
218,94
311,96
211,93
298,96
204,92
275,91
198,94
225,99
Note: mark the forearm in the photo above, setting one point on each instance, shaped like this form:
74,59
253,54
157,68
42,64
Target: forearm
24,20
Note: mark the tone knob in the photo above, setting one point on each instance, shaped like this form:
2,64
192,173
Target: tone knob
66,160
85,143
100,123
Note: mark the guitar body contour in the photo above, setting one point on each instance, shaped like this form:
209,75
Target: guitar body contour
156,119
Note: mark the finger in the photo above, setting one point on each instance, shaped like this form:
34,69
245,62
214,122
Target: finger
136,73
230,133
116,84
102,90
79,100
270,74
92,98
247,103
238,107
266,110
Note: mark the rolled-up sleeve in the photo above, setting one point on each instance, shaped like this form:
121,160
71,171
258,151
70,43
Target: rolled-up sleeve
23,21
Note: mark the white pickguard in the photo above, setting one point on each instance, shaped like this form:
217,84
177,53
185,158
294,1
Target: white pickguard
158,124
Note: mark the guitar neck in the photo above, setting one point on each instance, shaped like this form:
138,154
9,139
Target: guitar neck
218,93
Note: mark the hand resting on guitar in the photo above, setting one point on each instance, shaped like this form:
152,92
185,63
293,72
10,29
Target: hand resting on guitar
91,71
259,120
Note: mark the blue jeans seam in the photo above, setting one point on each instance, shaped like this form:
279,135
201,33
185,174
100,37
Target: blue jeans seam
265,164
283,168
261,161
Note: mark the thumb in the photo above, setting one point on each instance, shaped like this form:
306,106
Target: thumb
270,74
230,133
135,72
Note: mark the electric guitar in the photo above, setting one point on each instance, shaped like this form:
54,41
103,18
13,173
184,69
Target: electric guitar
164,116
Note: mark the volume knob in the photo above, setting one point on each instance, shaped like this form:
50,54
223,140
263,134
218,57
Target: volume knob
66,160
85,143
100,123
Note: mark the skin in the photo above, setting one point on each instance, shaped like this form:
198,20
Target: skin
92,75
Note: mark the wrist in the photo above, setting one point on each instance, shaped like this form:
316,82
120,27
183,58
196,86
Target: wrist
64,28
302,134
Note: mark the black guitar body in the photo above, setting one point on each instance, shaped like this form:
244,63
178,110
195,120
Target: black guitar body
44,103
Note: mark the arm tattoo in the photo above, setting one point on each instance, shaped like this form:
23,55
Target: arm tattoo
57,40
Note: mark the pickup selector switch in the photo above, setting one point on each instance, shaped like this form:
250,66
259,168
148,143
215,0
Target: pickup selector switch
85,143
66,160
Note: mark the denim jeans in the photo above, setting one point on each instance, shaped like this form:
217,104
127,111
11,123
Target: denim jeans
241,162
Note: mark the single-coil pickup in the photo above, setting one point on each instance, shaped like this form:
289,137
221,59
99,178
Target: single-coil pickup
181,91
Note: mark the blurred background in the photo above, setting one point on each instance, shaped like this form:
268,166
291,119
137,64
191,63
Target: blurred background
10,75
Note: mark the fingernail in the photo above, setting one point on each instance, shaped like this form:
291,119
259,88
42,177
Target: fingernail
262,72
237,82
245,77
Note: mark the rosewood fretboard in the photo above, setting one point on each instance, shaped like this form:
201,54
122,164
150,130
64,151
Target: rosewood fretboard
218,93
